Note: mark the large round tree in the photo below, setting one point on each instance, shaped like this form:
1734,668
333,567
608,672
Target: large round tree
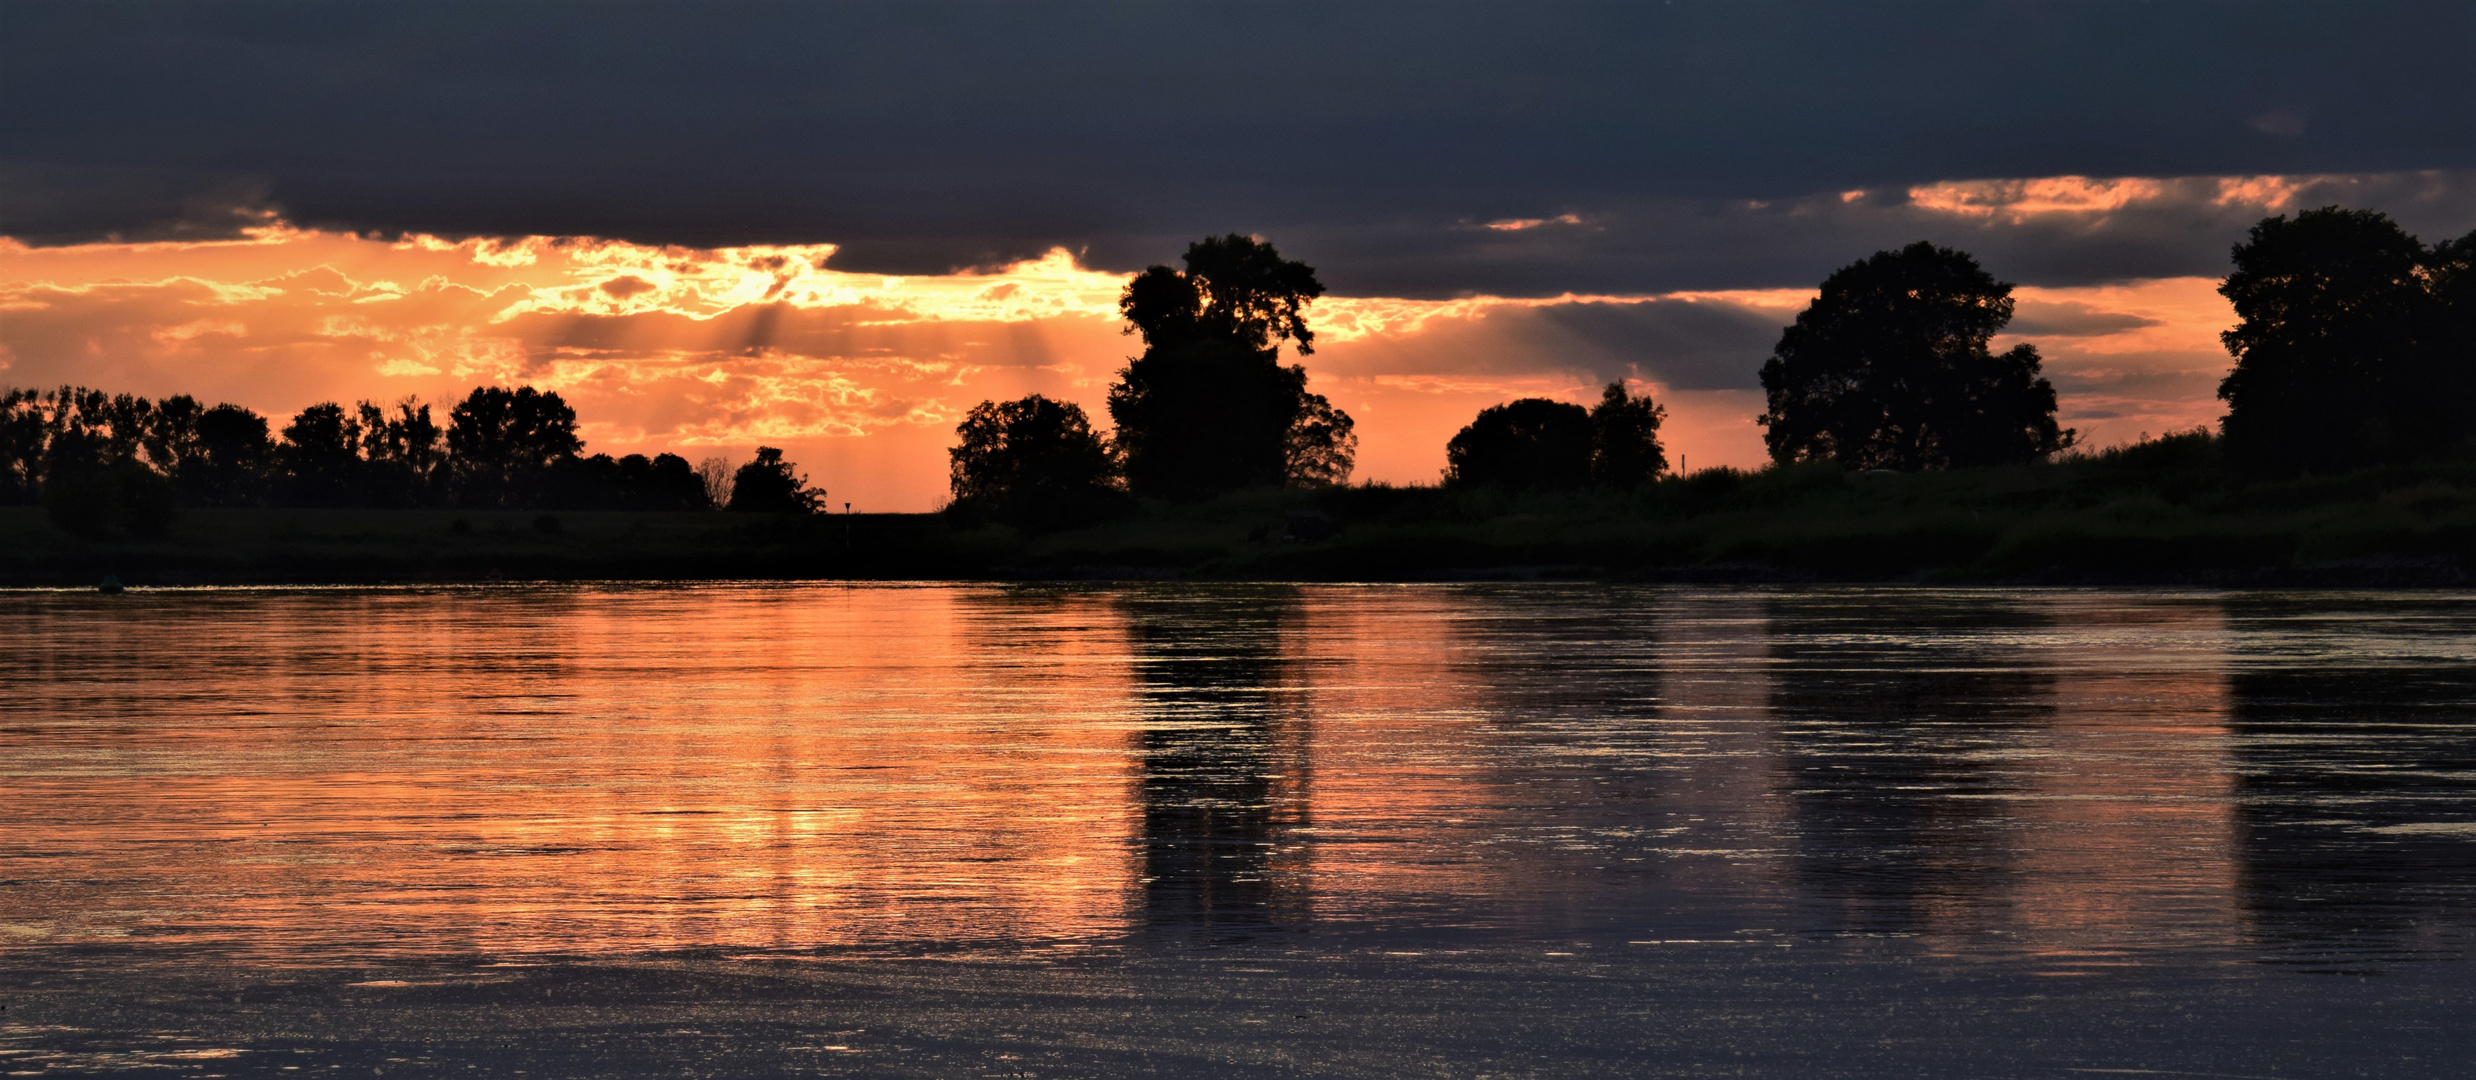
1890,369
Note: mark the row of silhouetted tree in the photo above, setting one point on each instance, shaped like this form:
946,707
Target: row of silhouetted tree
118,463
2356,346
1544,444
1889,368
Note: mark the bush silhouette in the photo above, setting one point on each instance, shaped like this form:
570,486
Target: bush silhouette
1530,444
634,482
109,501
770,485
1032,461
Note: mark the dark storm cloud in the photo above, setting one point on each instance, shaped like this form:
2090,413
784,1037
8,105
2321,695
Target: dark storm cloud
1373,139
2031,318
1683,345
1664,244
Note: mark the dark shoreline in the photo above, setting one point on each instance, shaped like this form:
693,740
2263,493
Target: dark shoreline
919,548
2113,520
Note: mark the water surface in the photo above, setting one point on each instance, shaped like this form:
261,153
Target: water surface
2042,783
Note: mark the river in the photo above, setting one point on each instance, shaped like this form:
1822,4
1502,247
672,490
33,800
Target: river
1097,830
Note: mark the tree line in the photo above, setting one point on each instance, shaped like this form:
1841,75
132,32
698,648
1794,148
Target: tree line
2355,346
1208,407
1890,367
107,464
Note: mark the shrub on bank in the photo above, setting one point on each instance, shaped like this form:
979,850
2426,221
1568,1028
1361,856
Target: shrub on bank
103,502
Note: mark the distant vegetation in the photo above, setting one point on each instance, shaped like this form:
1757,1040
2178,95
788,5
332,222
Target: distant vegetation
1902,447
108,465
2164,511
2356,349
1537,444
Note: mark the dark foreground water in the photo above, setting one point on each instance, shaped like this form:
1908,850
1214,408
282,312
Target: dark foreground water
1236,831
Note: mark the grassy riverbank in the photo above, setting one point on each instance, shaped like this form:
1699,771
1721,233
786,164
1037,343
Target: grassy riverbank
2158,513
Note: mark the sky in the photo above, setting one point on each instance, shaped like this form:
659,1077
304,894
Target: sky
834,228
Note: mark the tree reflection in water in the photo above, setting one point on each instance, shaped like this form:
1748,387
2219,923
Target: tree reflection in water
1223,757
1894,745
2355,743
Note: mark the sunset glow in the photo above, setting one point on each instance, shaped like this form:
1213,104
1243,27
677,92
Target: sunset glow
862,376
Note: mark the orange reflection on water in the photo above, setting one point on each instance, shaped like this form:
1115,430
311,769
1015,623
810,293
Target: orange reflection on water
546,769
2133,819
320,773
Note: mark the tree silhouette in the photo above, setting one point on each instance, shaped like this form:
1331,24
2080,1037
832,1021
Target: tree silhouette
2450,275
1033,461
172,432
634,482
121,421
500,442
714,473
770,485
22,445
1205,417
229,460
115,464
81,453
2352,347
1321,444
78,431
1531,444
1889,369
1235,288
322,457
1208,407
401,453
1625,450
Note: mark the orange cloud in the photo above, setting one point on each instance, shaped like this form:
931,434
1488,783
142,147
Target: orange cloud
2090,201
2151,365
1520,224
2019,199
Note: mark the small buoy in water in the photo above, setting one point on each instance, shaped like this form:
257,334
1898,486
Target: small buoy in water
110,586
